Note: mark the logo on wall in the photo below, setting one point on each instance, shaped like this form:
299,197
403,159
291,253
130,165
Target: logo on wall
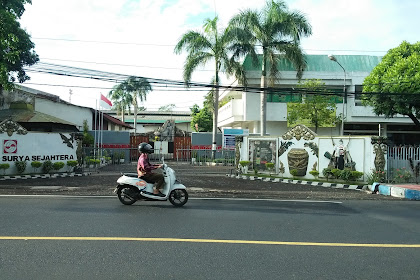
9,146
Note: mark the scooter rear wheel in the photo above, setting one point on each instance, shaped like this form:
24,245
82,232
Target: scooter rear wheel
126,195
178,197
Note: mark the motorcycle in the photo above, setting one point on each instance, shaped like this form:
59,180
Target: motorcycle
130,188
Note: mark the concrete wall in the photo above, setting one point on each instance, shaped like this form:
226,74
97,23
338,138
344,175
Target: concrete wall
359,148
35,147
71,113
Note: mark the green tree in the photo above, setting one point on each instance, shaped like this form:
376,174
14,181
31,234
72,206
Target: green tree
88,139
202,119
121,100
16,47
393,86
278,31
318,105
129,92
210,45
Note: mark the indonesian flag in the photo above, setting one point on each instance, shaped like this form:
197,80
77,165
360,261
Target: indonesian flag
105,102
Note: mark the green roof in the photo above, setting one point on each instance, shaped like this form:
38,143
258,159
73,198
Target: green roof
152,121
321,63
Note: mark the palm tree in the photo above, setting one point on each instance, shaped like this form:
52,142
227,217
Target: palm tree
211,45
121,100
138,88
129,92
278,32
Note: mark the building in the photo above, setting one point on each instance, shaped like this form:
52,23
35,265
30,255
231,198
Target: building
241,110
151,121
47,112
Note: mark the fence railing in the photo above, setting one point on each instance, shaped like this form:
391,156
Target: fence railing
398,159
205,156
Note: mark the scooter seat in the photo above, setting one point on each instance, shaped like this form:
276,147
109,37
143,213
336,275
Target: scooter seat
147,181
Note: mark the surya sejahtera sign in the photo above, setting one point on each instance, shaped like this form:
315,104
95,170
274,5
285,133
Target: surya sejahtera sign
37,146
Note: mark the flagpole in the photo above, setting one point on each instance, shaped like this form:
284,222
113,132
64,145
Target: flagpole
95,128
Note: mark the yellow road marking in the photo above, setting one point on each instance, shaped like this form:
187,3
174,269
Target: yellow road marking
224,241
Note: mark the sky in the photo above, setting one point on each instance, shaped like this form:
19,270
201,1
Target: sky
137,37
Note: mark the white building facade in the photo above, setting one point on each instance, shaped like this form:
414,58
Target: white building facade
243,109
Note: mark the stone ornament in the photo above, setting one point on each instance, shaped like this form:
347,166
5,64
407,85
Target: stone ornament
10,127
298,132
298,159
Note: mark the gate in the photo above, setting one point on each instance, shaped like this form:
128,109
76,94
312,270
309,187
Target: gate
398,158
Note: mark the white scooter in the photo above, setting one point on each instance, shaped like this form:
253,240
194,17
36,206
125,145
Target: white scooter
130,188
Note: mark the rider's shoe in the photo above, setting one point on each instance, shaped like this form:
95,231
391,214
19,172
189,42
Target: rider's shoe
159,194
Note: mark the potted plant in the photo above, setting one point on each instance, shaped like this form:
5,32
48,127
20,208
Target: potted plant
244,166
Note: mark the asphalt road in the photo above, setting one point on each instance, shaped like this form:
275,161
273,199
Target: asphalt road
200,181
99,238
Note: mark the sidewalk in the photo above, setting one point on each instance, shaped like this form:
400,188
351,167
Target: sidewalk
99,184
408,191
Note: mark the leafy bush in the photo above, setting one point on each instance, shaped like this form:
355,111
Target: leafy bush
72,163
47,166
36,164
402,175
345,175
244,163
58,165
376,176
356,175
294,172
21,166
93,161
269,165
4,166
327,172
314,173
336,173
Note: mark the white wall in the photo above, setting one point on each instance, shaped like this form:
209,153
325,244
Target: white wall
359,148
71,113
35,146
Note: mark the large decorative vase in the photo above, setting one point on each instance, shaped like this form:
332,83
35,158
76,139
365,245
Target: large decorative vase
298,159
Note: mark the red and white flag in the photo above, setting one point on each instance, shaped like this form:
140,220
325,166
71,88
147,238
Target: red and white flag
105,102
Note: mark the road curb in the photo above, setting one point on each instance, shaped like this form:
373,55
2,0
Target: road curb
395,191
302,182
43,176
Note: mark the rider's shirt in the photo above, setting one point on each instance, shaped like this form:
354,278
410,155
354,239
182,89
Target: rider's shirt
144,165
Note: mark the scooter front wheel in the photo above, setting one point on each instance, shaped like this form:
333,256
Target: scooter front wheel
178,197
126,195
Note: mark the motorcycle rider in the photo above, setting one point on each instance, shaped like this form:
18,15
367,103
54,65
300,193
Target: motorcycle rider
144,169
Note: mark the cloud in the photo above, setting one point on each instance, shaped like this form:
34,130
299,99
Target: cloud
154,27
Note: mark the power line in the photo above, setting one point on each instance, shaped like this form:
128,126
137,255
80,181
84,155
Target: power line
123,65
116,78
173,45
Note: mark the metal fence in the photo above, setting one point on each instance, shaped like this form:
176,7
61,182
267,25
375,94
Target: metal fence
398,158
223,160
